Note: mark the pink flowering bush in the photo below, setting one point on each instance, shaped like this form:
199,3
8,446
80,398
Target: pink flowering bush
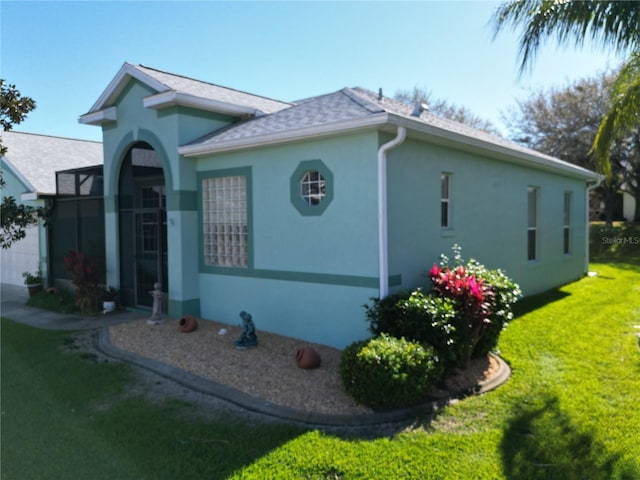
472,300
462,315
85,276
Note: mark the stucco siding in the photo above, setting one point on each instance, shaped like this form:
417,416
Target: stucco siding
340,241
488,216
327,314
309,275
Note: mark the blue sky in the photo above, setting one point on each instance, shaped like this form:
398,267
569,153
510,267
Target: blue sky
63,54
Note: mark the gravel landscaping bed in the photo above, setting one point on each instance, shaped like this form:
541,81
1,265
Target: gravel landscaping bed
269,371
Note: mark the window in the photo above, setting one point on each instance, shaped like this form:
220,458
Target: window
312,187
566,230
532,223
225,227
445,210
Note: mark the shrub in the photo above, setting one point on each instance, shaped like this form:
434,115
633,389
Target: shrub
387,372
462,317
423,318
85,275
505,293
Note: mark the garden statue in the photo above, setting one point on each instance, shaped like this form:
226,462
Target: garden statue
248,337
156,313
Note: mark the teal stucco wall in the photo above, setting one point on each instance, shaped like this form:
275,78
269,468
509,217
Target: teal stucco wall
165,130
308,275
488,205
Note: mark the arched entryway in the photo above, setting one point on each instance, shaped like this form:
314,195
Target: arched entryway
142,212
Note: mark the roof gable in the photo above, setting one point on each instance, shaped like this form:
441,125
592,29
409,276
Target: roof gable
178,90
36,158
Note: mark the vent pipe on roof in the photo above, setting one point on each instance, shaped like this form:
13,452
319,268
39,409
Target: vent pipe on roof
419,108
380,94
383,249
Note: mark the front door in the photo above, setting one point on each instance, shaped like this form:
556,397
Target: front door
150,255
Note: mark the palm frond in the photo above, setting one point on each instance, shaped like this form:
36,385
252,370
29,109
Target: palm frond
607,23
623,115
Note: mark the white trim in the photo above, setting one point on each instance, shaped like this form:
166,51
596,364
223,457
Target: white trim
173,98
119,82
30,196
100,117
18,174
527,157
345,126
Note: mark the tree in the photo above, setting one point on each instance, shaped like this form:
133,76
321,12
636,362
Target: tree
441,108
14,108
563,123
613,24
14,218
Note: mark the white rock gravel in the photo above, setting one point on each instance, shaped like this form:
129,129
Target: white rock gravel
268,372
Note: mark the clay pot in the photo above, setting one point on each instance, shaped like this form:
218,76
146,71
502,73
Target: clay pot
187,324
307,357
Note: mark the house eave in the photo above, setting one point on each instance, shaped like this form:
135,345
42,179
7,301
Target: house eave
530,158
342,127
100,117
173,98
119,83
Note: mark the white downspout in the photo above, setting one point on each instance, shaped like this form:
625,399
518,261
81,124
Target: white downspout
383,251
595,185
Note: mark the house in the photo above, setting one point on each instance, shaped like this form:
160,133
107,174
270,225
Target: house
300,213
29,171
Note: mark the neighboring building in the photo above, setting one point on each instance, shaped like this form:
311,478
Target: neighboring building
29,170
628,206
300,213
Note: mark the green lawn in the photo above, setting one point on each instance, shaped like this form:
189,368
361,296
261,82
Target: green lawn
570,411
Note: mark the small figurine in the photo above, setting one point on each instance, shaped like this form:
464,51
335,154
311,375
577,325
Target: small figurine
156,313
248,337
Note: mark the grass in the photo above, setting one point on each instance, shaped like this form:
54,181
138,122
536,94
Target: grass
570,410
64,416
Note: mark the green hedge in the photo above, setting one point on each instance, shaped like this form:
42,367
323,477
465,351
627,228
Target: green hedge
388,372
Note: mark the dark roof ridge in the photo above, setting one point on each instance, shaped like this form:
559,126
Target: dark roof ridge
364,102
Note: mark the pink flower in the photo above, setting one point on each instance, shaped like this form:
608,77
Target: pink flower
435,271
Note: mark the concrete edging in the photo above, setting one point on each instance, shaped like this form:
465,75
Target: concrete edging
251,403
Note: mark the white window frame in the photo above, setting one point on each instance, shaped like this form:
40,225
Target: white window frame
533,194
313,187
566,227
445,200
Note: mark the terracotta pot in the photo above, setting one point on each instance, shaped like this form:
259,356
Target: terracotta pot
34,288
187,324
307,357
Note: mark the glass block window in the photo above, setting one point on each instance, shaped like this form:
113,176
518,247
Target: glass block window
532,223
225,230
566,230
444,200
312,187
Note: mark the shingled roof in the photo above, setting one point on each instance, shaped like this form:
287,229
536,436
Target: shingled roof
180,90
35,159
358,108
